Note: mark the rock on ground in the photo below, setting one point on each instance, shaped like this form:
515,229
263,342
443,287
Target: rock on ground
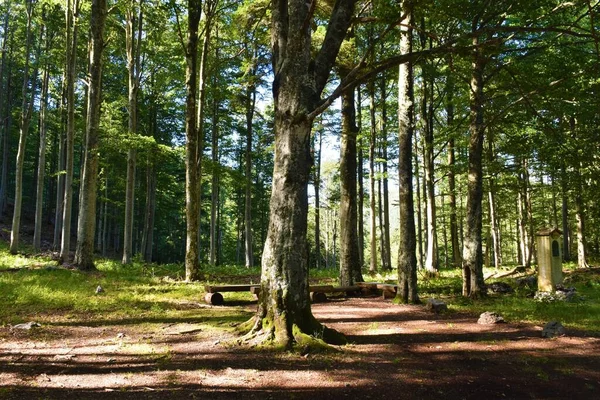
436,305
553,329
490,318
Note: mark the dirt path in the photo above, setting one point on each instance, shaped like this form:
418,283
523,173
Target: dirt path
395,352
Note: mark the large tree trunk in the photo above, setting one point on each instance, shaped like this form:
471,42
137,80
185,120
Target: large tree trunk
192,192
284,313
26,111
86,226
372,172
39,192
72,13
407,258
133,50
473,284
350,268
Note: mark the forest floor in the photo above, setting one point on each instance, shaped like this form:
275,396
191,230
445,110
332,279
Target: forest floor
395,351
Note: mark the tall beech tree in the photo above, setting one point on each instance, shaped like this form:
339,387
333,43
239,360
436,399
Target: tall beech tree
86,224
407,257
27,99
71,16
133,41
284,314
192,191
350,268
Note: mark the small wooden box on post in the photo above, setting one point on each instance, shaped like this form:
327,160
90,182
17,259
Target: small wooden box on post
549,259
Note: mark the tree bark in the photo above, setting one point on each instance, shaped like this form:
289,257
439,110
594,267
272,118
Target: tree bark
456,257
86,225
26,111
250,105
192,191
39,205
386,192
473,284
565,218
72,13
361,188
214,229
407,258
317,186
133,50
431,260
6,97
372,172
350,268
494,225
284,314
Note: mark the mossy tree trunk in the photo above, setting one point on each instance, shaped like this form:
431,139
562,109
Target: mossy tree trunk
284,314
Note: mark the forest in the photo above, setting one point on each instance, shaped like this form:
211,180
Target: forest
358,136
299,199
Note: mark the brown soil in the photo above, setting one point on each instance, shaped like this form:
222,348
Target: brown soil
395,352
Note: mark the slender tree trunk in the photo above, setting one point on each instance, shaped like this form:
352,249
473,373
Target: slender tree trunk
192,192
86,226
215,177
372,172
250,105
385,208
133,49
565,218
39,206
419,238
4,115
350,268
361,188
473,284
6,122
456,257
26,111
317,186
72,12
431,261
60,169
494,225
407,258
579,208
209,12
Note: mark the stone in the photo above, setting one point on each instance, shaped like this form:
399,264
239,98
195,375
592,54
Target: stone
500,287
490,318
27,326
436,305
528,281
565,293
553,329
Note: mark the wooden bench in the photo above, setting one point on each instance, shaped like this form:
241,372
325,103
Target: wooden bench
214,297
318,293
388,290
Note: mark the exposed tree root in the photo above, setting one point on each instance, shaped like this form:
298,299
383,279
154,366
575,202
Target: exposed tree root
312,338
